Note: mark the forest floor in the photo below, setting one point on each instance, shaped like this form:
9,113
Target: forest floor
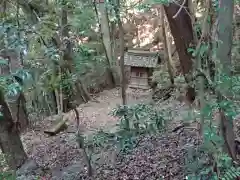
159,156
59,150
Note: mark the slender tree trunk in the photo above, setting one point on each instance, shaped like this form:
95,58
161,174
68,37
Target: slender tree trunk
103,18
121,35
68,61
210,59
205,39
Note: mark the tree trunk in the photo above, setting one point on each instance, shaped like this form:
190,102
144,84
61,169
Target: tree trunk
167,54
121,36
181,28
115,51
68,66
107,41
105,30
19,111
10,142
225,19
210,59
18,102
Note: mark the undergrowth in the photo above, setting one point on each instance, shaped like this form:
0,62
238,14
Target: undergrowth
204,161
134,120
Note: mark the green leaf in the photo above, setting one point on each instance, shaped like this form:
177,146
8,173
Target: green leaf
3,62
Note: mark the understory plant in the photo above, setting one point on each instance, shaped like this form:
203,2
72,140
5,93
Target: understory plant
136,120
210,160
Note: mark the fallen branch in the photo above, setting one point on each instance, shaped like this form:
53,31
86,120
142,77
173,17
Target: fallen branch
180,9
80,141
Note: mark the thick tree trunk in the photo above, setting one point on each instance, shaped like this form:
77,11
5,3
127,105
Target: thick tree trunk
10,142
167,54
107,41
181,28
103,18
19,111
225,19
18,102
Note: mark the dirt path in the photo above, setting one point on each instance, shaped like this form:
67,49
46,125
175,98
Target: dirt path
95,116
61,150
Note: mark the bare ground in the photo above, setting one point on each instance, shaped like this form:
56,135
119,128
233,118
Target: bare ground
61,150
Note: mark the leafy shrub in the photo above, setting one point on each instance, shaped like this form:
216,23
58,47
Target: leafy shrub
208,160
135,120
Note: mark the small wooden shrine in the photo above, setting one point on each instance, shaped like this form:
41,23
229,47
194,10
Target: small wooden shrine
140,65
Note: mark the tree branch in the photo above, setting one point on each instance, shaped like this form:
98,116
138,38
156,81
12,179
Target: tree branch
180,9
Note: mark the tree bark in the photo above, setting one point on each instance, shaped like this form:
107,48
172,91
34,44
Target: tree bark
107,41
121,34
225,28
19,111
167,54
103,18
18,102
10,142
181,29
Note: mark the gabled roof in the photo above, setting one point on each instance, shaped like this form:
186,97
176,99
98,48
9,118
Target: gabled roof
137,58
